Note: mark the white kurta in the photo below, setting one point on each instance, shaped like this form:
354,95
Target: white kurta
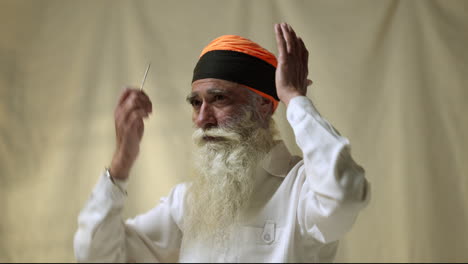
299,210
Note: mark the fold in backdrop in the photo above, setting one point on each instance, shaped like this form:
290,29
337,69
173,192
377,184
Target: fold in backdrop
389,75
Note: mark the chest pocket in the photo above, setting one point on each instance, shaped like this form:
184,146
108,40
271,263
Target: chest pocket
258,244
266,235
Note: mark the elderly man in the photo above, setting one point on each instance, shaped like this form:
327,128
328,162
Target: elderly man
250,200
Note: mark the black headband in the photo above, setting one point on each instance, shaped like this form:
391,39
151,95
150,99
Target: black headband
237,67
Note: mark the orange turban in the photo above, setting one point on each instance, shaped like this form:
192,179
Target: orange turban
240,60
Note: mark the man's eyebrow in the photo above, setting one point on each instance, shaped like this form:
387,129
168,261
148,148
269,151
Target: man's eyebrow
217,91
191,96
213,91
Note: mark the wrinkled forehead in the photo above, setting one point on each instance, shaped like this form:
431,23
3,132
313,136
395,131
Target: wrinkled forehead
209,83
217,86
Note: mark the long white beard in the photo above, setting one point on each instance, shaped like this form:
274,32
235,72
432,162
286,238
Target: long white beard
224,176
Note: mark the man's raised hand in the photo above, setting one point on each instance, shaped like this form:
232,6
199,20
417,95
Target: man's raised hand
292,70
133,106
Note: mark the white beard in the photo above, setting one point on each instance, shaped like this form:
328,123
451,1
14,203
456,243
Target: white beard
224,176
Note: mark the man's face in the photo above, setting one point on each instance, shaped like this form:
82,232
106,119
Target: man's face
230,141
215,102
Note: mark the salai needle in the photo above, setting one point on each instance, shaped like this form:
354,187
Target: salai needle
144,77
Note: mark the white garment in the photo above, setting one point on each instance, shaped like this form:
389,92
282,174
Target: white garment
299,209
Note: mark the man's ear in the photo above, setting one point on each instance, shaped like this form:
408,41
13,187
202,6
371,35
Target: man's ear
266,107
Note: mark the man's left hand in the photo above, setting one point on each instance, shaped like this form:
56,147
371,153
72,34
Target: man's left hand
291,72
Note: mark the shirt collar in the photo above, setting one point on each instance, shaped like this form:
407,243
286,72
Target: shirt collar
279,161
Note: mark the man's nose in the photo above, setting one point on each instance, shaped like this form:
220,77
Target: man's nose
205,118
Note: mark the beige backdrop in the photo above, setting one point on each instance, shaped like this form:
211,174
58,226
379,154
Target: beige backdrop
390,75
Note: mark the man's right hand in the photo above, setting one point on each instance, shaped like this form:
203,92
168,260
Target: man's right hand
133,106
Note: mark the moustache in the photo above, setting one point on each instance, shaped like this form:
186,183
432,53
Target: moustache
213,135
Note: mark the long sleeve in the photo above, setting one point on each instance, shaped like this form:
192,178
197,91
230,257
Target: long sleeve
103,236
334,188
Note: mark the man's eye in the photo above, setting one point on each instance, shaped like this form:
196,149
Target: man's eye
219,97
195,103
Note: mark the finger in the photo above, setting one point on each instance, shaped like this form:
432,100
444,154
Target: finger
126,92
126,120
295,43
137,114
133,118
287,36
140,127
148,103
123,125
140,104
132,103
129,95
144,95
304,56
304,50
144,99
135,122
280,42
124,104
136,98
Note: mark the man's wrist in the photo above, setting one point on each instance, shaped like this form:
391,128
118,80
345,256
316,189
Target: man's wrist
121,184
286,99
117,174
117,171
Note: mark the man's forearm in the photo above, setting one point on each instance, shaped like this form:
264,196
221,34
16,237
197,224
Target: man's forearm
101,232
334,188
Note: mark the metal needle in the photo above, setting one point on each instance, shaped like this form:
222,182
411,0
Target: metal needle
144,77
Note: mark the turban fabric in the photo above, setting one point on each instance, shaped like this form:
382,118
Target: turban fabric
240,60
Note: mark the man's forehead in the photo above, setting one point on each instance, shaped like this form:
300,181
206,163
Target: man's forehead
215,86
210,83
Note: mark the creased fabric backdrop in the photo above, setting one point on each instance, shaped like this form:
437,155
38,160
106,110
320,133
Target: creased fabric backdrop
390,75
